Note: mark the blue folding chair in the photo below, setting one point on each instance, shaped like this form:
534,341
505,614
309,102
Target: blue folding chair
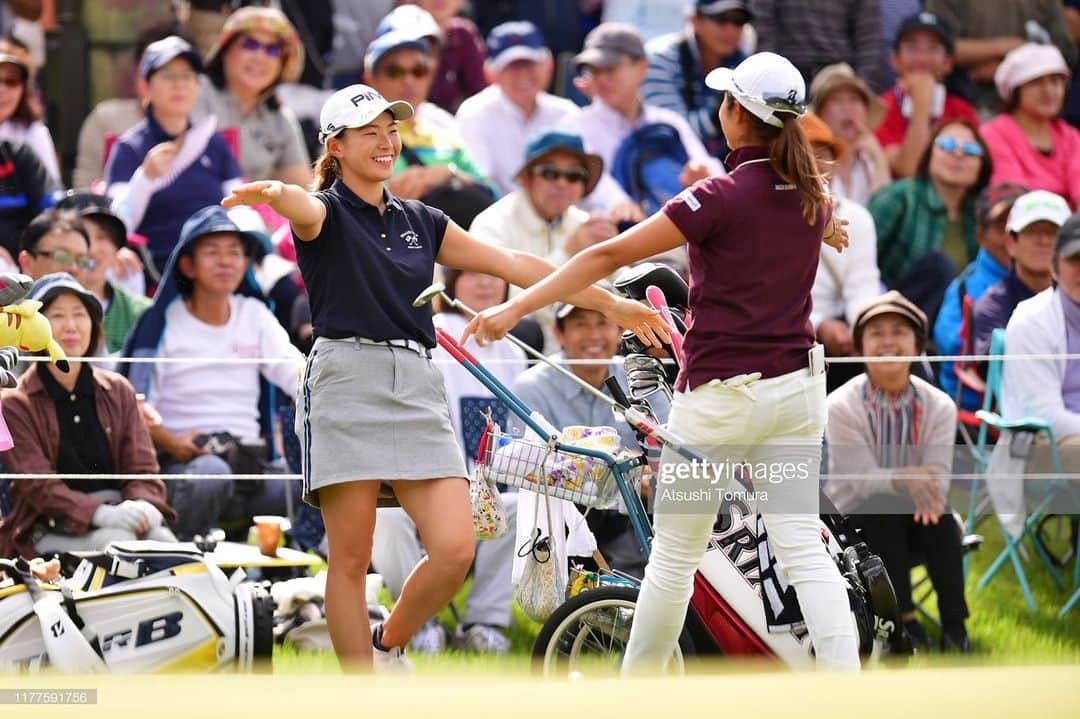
982,454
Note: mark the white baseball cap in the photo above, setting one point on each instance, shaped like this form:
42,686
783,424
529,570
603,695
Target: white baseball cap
765,84
356,106
1026,63
412,20
1037,206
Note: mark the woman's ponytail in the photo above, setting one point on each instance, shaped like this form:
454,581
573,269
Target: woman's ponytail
792,157
327,169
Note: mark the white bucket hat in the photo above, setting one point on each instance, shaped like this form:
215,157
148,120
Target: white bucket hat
1026,63
765,84
356,106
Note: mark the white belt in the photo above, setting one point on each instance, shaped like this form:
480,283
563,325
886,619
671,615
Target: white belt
411,345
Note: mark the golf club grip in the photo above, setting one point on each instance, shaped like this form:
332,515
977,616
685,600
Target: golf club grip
616,391
659,302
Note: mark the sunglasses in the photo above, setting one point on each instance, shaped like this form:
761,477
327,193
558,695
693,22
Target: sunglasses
968,148
66,259
552,173
734,18
396,72
250,44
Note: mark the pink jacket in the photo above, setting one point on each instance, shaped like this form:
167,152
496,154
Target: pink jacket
1016,159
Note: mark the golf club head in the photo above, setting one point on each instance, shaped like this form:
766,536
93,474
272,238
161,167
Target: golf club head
430,292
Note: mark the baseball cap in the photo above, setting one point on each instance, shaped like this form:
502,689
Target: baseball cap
892,302
549,141
928,21
1068,239
1026,63
211,219
719,7
387,43
608,43
1036,206
161,53
97,208
356,106
765,84
563,310
996,200
9,59
518,40
49,286
841,75
413,21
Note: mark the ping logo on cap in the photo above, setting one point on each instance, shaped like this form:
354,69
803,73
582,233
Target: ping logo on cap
363,97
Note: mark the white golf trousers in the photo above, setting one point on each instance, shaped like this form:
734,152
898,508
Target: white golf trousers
780,419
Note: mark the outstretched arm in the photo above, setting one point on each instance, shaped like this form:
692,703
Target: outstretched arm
304,212
570,282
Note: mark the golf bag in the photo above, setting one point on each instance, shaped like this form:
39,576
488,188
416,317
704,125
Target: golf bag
136,606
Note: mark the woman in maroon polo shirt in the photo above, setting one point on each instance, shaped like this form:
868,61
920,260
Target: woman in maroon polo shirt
752,388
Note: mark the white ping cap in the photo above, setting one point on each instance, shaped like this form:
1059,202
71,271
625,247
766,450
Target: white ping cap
765,84
356,106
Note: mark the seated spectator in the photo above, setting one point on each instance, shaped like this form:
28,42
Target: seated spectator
652,18
852,112
56,241
1048,325
107,237
989,29
614,60
922,57
412,22
159,173
20,116
542,218
460,73
678,64
1032,229
433,165
844,281
208,306
497,122
396,550
588,335
26,188
258,49
1029,142
111,118
815,35
83,421
990,265
896,433
926,223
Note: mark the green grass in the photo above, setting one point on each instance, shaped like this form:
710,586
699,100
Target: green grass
1002,629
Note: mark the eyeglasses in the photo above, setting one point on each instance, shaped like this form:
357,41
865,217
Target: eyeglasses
177,77
66,259
968,148
250,44
552,173
396,72
735,18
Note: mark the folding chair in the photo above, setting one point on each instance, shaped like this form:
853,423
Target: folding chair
991,420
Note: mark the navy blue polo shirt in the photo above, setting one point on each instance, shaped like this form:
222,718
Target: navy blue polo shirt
364,269
994,308
199,185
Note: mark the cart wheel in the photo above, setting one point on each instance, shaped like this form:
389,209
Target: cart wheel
587,635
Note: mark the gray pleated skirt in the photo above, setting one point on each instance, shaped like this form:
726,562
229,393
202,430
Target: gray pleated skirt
369,413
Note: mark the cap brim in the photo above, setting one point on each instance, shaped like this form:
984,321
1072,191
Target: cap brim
595,57
721,80
891,309
86,296
1069,249
513,54
594,165
1021,225
400,110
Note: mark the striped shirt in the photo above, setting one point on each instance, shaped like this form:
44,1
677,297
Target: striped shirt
894,424
666,83
815,34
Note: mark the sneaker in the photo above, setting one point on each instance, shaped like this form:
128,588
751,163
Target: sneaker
920,639
955,639
486,639
429,639
389,661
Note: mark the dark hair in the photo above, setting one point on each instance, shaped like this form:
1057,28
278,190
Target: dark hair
450,279
51,220
97,329
985,167
28,110
215,70
792,157
325,171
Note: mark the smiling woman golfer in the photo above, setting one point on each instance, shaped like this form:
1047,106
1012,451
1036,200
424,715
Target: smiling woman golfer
752,384
372,408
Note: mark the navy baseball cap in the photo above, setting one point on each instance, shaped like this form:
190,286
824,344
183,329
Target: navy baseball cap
714,8
96,207
49,286
518,40
549,141
390,41
925,21
161,53
211,219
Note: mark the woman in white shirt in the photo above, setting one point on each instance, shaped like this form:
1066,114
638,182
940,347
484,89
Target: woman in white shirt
20,116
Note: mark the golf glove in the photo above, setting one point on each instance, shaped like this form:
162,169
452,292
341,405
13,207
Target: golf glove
153,514
127,515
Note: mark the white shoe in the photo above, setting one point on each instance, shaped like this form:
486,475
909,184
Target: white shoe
486,639
429,639
390,661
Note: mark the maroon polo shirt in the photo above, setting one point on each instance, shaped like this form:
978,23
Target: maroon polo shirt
753,258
